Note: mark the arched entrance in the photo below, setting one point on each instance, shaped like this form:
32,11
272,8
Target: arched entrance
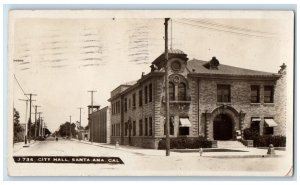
223,127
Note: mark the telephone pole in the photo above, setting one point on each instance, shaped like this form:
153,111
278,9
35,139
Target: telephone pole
29,121
35,122
167,90
70,128
80,116
26,125
40,125
91,127
43,130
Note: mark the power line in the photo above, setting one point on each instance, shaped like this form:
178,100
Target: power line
20,86
216,29
205,21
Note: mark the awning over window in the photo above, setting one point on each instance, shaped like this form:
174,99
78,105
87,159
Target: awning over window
256,119
270,122
185,122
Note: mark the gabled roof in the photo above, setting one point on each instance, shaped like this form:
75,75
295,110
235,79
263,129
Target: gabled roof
199,67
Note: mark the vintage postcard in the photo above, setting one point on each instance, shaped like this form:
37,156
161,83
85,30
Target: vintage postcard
150,93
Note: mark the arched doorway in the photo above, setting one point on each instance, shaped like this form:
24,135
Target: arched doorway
223,127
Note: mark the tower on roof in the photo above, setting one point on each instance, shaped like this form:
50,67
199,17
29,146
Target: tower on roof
159,62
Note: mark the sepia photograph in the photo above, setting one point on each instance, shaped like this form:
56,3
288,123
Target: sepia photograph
150,93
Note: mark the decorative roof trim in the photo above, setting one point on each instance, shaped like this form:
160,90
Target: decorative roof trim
235,76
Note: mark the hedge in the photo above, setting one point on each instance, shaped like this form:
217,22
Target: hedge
185,142
265,140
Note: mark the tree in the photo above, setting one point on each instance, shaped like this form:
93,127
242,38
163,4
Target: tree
64,129
47,131
17,127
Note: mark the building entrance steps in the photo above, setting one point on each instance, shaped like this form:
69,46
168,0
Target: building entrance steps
230,144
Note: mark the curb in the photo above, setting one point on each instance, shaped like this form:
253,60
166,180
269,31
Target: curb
245,156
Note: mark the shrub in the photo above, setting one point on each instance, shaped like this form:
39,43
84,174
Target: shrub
185,142
265,141
250,134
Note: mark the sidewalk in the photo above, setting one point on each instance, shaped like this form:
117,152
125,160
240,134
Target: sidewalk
18,146
236,153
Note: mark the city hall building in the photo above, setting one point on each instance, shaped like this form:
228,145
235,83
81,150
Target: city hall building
207,98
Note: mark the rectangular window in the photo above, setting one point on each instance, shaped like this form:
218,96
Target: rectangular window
146,127
269,130
140,127
134,128
117,132
133,101
269,126
183,131
116,108
129,103
150,92
254,94
150,126
140,98
119,107
255,125
269,94
112,130
146,94
125,104
171,127
126,129
223,92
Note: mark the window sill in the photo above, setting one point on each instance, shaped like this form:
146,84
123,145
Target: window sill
269,104
174,102
224,103
255,104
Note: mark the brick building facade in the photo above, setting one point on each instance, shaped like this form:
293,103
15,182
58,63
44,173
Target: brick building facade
207,99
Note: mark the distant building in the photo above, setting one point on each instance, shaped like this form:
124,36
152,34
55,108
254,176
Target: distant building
99,125
207,99
84,134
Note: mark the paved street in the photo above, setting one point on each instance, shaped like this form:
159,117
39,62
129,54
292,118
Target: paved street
139,161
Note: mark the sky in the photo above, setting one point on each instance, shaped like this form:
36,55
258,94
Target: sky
61,58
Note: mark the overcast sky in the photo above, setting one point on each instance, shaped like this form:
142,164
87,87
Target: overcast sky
66,56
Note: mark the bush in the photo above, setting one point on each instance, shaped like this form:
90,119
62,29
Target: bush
185,142
250,134
265,141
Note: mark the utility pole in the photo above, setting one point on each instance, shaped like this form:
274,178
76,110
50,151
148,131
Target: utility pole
167,90
26,125
40,125
29,121
91,127
80,116
70,127
35,122
43,129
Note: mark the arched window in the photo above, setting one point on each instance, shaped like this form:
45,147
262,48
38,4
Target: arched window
171,91
181,92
